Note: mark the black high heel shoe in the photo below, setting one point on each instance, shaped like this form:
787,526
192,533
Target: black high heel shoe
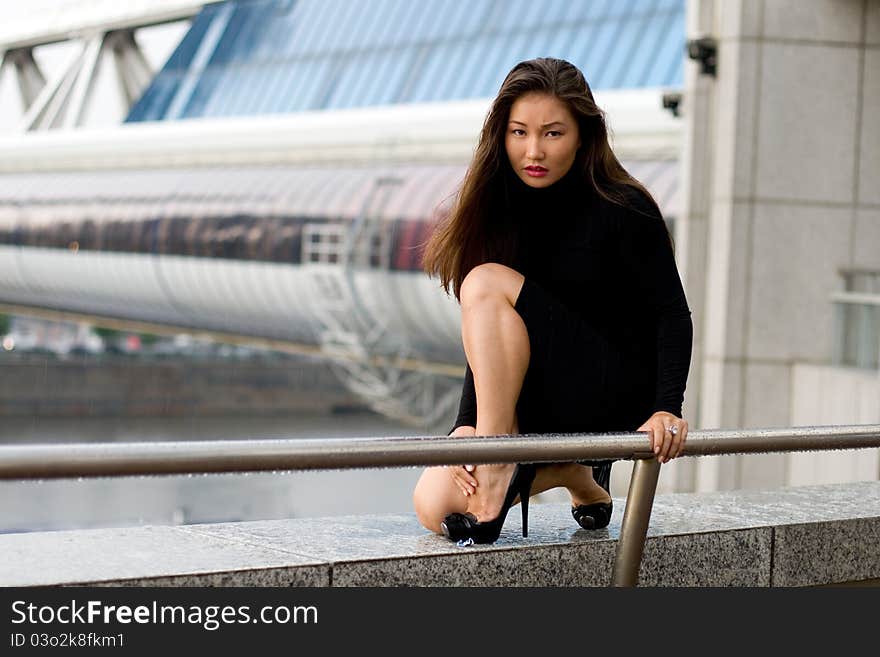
598,515
463,526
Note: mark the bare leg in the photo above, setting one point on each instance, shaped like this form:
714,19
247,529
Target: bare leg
578,479
497,346
436,496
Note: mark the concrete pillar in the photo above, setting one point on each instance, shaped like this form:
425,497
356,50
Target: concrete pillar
793,197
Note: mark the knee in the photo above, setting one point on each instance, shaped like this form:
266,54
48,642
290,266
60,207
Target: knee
484,282
427,512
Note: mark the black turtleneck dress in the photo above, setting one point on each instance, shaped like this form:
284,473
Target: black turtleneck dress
609,327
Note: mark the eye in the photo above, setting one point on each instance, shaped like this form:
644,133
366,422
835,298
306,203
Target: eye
518,131
554,133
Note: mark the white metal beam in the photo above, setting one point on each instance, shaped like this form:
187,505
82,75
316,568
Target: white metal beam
436,132
132,67
48,107
30,78
40,23
85,80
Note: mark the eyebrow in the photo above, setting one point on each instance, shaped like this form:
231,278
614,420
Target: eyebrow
546,125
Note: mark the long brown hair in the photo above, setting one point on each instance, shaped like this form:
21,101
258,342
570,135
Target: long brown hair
474,231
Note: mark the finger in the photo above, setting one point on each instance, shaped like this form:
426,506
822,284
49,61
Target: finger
659,437
678,440
666,442
684,433
461,481
656,439
675,445
669,441
467,477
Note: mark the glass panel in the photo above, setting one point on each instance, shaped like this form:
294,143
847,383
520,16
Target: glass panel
465,83
668,65
636,74
433,69
259,99
288,83
331,12
870,336
351,73
512,15
419,22
201,94
376,16
593,10
157,97
600,51
561,44
623,52
626,46
270,99
226,47
677,5
303,20
345,28
384,86
218,103
246,48
241,84
314,81
394,25
372,79
182,56
275,34
537,44
675,75
553,11
447,78
638,8
457,21
495,69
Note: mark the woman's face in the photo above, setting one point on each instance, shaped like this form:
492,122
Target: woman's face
542,139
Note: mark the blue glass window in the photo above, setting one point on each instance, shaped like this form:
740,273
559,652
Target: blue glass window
294,55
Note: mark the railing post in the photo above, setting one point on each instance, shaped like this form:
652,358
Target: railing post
636,516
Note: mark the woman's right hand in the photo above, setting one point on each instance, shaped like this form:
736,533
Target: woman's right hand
462,475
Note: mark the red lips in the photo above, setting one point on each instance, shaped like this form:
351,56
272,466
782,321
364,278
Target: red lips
536,171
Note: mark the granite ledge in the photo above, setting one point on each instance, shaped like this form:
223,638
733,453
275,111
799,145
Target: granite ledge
805,536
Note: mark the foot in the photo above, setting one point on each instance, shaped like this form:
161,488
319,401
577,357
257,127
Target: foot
493,481
582,488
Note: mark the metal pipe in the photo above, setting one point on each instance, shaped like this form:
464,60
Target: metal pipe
155,458
120,459
636,517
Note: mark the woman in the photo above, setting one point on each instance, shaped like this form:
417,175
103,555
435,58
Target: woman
574,319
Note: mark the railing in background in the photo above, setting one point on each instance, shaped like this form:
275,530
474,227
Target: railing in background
857,320
125,459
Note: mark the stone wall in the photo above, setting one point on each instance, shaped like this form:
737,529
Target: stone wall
86,386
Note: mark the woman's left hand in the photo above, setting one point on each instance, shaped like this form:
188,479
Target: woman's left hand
667,434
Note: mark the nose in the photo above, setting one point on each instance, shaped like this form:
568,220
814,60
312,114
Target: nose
533,149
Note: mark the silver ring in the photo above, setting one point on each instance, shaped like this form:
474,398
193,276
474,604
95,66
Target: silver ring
673,429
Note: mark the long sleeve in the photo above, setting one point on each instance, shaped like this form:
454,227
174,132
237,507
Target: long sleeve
648,255
467,406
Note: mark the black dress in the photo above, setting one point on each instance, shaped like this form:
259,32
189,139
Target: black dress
609,327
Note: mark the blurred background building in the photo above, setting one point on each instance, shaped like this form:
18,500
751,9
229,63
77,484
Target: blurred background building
257,177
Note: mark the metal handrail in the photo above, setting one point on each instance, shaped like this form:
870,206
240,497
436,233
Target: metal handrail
46,461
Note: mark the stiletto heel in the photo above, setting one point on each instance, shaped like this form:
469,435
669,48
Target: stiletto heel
596,516
463,526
